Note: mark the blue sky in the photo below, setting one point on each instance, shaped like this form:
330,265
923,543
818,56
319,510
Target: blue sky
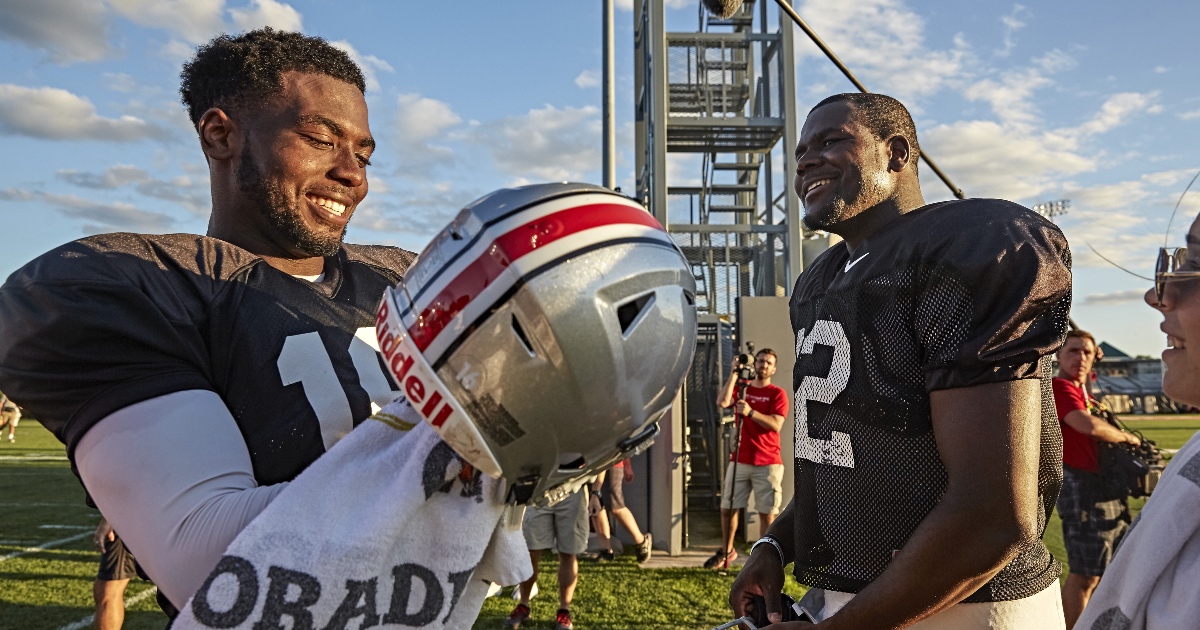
1089,101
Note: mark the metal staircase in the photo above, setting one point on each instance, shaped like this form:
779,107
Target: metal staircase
719,104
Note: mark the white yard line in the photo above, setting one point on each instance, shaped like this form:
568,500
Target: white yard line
33,458
129,602
80,504
87,527
43,546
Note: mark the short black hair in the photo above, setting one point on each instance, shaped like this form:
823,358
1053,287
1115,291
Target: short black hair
883,115
232,72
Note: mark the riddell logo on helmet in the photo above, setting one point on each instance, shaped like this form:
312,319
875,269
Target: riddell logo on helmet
400,359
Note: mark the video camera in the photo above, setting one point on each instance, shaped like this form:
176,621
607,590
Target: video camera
745,360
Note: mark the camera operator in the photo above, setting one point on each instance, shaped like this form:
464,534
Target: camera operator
761,408
1093,521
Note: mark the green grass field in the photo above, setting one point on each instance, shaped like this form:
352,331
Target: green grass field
47,562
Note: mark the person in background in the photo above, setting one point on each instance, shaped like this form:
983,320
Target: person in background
762,409
1151,582
117,567
614,501
562,526
10,415
1092,520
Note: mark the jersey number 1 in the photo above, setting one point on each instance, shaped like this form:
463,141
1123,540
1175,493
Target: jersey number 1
304,360
837,450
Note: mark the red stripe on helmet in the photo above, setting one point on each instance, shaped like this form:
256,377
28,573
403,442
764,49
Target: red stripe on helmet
510,247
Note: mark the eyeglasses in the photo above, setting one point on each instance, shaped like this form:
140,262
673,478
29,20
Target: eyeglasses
1171,266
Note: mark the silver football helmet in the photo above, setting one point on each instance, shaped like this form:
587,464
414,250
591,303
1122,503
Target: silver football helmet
543,333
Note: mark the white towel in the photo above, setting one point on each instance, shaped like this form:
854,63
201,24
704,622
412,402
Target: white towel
383,530
1152,581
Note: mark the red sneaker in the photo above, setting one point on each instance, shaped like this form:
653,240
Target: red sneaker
517,617
562,621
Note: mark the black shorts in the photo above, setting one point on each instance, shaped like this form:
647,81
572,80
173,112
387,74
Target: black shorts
1093,524
116,563
613,497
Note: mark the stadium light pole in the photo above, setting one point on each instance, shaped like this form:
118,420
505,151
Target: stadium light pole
609,154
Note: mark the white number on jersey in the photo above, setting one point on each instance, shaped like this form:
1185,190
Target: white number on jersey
304,360
837,450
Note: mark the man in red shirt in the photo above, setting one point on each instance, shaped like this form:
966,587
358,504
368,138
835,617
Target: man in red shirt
1093,521
762,410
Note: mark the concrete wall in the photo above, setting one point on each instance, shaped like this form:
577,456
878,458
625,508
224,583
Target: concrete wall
765,321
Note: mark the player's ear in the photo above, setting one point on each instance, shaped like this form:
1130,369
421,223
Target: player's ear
218,134
899,153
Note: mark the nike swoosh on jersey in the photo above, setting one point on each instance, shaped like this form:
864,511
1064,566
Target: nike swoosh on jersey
855,261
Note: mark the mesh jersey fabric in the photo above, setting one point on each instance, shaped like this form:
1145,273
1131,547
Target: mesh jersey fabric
1079,450
949,295
107,321
759,446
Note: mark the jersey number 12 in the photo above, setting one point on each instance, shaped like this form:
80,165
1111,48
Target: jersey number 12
837,450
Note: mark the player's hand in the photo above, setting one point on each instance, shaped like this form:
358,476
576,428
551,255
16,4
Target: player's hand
762,575
104,535
743,408
594,506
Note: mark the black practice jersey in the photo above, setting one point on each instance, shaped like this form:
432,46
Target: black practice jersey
108,321
949,295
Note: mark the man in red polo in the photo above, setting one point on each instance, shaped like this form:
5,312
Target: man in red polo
1093,521
762,410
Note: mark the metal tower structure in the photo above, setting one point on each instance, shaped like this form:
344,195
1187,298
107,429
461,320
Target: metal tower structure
725,93
716,127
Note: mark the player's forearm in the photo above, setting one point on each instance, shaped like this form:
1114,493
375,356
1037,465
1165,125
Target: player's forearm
783,530
923,579
173,476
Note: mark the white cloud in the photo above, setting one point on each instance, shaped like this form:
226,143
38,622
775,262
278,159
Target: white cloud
1011,96
547,144
54,114
262,13
884,42
192,193
1115,111
420,120
70,30
627,5
423,210
1055,61
367,63
1195,113
1016,157
588,79
196,21
113,177
1116,297
98,217
1012,23
1160,69
120,82
987,159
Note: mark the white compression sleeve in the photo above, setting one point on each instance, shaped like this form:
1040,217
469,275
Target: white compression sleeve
173,477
